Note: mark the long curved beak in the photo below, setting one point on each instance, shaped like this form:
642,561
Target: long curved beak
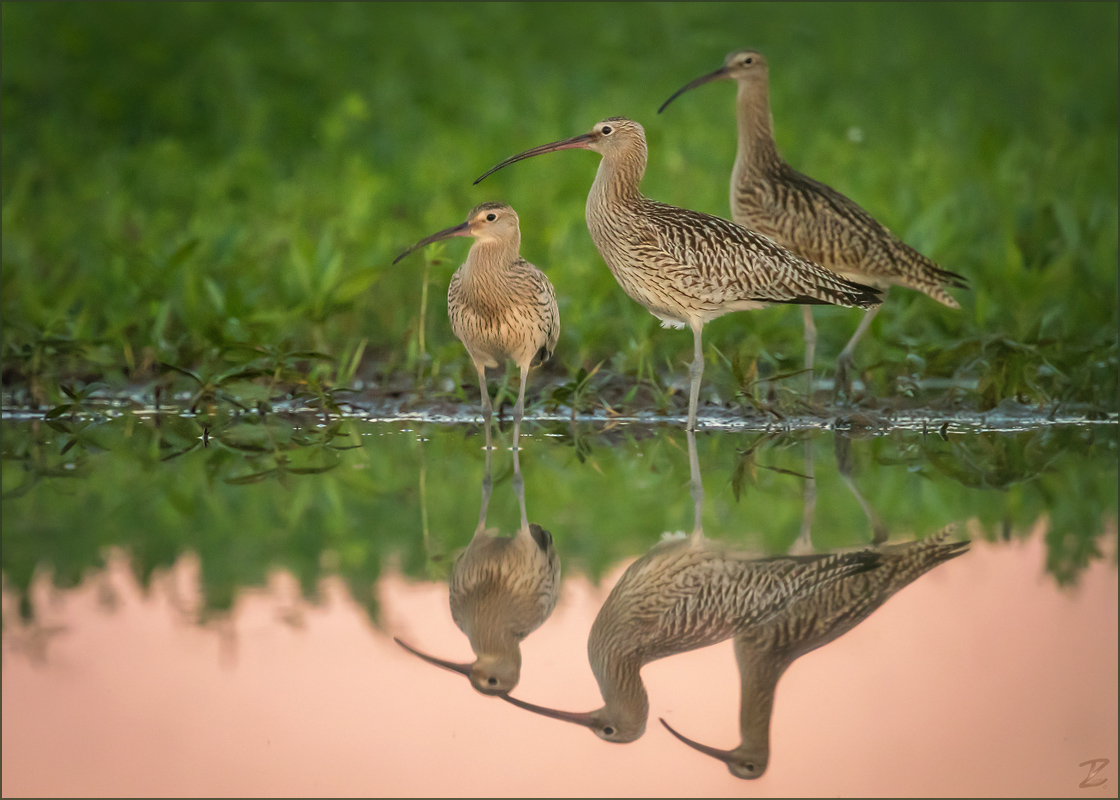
711,76
458,230
462,669
578,717
723,755
583,140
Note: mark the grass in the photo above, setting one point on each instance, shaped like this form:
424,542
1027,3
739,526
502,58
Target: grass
251,494
209,185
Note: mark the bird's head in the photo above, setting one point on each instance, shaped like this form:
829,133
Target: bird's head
488,222
609,725
743,762
741,65
612,136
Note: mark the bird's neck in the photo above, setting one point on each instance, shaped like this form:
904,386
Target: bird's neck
489,258
757,152
624,694
759,674
496,648
617,181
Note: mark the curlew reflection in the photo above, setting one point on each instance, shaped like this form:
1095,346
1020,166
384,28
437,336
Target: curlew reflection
682,595
765,651
502,589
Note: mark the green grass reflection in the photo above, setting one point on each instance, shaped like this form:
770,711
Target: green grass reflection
249,495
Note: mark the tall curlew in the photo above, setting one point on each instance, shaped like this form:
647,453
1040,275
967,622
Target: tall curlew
502,589
501,306
683,595
764,652
685,267
812,219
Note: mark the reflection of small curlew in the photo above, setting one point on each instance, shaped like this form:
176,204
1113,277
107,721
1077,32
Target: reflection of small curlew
500,305
765,651
687,268
502,589
812,219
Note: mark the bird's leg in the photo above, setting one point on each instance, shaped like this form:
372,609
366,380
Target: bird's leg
519,409
804,543
844,360
487,486
486,411
696,487
519,488
810,348
695,372
844,467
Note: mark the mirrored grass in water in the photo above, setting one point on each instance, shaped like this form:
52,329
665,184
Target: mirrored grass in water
323,496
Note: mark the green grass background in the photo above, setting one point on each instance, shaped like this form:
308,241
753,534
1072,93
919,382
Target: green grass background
182,180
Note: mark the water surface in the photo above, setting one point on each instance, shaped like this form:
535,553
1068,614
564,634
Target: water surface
207,606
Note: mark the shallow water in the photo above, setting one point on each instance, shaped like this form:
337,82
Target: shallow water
198,605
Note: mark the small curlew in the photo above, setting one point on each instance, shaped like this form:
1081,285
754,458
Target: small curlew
764,652
685,267
502,589
501,306
812,219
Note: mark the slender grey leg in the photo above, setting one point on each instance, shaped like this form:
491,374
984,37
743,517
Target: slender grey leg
844,467
804,544
486,411
519,409
695,372
487,486
844,360
519,488
696,487
810,346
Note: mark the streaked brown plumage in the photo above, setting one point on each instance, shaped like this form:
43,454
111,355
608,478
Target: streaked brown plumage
683,595
686,267
502,589
765,651
500,305
810,218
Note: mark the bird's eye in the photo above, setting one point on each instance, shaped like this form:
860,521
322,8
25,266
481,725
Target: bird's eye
492,681
608,731
491,218
748,60
750,767
607,129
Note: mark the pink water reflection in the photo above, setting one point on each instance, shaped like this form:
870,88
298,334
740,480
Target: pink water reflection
981,678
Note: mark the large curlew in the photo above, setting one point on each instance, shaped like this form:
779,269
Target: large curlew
812,219
686,267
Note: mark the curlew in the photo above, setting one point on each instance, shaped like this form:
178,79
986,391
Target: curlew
685,267
812,219
764,652
502,589
683,595
500,306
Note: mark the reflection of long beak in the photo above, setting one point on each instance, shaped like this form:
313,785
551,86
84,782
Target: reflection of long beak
583,140
711,76
723,755
446,233
462,669
579,718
